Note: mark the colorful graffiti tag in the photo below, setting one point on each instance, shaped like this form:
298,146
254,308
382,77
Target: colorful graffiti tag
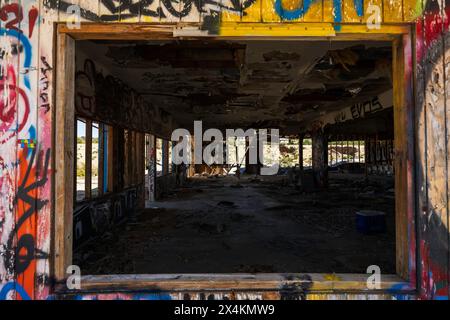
215,12
300,10
93,218
122,10
25,163
432,54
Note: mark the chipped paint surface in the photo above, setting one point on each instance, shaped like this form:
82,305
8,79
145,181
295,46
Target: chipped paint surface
26,107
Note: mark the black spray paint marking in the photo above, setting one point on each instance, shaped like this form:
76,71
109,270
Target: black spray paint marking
27,242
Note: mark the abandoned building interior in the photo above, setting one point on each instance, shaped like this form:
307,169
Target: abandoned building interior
330,208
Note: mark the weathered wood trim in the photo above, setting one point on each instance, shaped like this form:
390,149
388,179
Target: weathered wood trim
401,240
64,153
404,157
409,89
93,31
123,31
235,30
421,156
230,282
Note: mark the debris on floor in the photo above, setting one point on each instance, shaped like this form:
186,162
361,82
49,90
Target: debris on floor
263,226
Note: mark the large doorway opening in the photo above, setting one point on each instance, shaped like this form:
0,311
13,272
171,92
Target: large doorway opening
330,208
364,151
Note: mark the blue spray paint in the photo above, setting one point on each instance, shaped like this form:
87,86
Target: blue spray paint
337,10
32,134
13,286
152,296
359,7
27,49
292,14
302,10
396,290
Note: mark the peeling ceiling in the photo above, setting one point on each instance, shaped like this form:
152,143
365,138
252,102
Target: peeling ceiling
283,84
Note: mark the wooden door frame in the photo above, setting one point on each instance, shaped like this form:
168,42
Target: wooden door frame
400,35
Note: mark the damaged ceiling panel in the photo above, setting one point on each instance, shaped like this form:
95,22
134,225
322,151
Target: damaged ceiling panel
248,84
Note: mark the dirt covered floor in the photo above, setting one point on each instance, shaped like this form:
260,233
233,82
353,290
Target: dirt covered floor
214,225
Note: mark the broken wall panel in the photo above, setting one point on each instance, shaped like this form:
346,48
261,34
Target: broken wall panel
404,159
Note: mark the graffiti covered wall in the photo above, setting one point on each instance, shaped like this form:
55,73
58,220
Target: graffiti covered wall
25,154
26,107
432,100
213,14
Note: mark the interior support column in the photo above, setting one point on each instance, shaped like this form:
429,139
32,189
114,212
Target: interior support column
252,149
165,157
110,159
320,158
260,161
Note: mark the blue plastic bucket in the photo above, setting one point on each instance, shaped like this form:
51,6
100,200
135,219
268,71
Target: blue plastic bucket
370,221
